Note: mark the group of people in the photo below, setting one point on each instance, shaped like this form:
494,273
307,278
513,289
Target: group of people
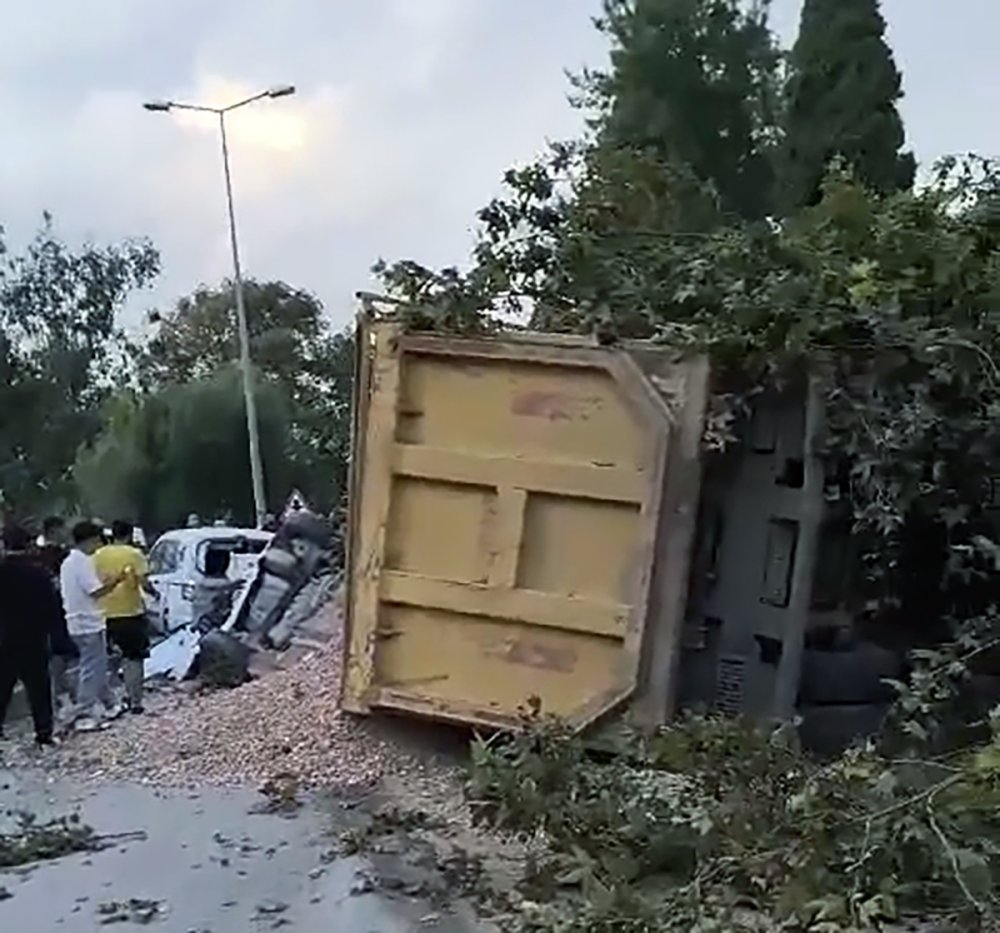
65,606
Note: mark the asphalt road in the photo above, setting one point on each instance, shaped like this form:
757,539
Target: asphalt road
208,862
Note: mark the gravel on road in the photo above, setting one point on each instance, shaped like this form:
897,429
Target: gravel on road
286,724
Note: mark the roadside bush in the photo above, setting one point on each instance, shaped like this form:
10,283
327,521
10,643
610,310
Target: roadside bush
713,825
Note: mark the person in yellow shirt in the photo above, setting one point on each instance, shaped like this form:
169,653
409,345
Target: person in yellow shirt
123,607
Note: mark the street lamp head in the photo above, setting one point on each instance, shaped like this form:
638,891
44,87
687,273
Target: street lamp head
281,90
157,106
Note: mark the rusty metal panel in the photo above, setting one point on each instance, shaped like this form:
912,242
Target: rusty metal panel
506,506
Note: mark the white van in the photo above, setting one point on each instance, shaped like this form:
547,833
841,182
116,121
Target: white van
177,565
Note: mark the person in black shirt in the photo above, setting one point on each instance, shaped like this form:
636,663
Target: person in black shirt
29,616
50,553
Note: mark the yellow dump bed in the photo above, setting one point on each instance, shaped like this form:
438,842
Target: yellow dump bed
521,517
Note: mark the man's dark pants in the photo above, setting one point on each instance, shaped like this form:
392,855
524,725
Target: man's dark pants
30,665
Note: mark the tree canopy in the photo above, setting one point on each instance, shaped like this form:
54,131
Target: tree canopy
695,82
842,97
294,350
183,449
61,351
199,336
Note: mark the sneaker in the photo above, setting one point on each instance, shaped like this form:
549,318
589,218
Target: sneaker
115,711
87,724
50,741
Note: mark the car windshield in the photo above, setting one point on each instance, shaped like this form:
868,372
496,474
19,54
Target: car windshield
165,556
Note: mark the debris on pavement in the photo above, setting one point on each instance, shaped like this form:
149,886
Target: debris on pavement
134,910
30,841
25,839
223,661
281,794
269,908
417,839
206,860
174,655
286,724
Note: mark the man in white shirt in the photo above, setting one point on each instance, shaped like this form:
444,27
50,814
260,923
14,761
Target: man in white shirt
81,589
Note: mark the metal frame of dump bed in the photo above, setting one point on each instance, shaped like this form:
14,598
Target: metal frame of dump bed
521,516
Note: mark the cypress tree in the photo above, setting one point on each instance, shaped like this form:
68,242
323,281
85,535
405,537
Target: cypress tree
842,96
696,82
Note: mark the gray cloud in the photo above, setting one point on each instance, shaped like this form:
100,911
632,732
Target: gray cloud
408,112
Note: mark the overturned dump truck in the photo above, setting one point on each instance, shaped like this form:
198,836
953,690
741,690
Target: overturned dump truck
521,520
296,574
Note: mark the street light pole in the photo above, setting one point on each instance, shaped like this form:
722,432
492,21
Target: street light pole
246,369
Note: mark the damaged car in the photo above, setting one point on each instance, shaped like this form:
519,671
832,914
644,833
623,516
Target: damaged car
184,563
236,607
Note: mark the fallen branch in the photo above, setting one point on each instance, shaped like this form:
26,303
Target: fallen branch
952,857
34,842
910,801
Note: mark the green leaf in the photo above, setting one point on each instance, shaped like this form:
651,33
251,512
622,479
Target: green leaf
975,871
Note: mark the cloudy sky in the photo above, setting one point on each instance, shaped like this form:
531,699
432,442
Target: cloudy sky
406,115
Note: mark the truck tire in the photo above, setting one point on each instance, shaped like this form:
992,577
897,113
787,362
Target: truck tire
852,677
979,695
280,563
309,526
829,730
